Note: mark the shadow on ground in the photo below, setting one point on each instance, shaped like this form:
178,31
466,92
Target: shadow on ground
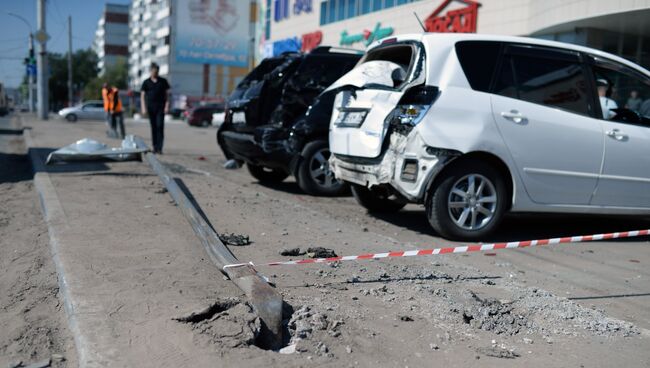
66,167
528,226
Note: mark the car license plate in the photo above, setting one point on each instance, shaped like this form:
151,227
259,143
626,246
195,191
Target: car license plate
239,117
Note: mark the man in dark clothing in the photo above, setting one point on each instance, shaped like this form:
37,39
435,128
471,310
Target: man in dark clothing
154,101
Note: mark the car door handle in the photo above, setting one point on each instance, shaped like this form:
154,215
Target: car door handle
616,134
513,115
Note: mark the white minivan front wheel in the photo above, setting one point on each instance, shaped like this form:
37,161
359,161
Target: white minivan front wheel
468,201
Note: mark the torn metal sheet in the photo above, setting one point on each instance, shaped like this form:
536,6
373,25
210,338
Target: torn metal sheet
87,149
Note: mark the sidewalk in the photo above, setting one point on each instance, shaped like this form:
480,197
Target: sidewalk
127,260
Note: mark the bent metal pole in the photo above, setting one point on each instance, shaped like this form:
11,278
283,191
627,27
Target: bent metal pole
264,298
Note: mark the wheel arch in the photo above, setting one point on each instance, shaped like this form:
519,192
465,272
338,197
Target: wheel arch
480,156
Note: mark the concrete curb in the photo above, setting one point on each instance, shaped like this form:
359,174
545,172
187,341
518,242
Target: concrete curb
56,220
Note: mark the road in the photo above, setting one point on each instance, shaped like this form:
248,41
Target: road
544,306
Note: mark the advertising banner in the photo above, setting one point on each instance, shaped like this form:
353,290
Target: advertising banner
213,32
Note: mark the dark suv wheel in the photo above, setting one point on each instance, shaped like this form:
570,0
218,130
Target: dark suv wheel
377,199
266,175
314,175
469,201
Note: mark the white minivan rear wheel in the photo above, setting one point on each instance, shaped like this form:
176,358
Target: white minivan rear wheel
468,202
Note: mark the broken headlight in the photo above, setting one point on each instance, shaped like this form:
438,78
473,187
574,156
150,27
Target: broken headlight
349,117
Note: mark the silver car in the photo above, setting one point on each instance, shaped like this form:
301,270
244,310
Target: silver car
92,110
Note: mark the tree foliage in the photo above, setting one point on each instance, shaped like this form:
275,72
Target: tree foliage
84,69
115,75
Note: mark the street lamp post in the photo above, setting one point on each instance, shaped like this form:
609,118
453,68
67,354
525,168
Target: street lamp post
30,73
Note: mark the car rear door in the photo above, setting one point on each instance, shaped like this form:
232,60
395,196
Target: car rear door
625,178
369,93
543,109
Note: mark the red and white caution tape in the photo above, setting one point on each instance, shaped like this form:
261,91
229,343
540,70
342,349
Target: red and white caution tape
460,249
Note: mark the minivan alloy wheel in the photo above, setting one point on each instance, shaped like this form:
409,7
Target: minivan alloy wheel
472,202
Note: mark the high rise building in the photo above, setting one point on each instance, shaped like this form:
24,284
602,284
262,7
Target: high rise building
112,36
203,47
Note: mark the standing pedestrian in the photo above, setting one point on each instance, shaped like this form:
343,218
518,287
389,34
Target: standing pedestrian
154,102
115,108
105,90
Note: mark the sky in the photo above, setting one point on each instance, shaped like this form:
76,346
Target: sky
14,34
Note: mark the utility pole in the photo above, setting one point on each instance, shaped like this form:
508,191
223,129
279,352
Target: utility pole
29,62
69,60
31,75
41,66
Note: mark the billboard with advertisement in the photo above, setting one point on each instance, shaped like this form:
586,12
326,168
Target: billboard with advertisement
213,32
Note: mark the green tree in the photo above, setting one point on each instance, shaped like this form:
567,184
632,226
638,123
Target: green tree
115,75
84,69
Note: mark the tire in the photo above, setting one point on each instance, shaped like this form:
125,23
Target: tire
205,123
456,214
71,118
377,199
266,175
314,175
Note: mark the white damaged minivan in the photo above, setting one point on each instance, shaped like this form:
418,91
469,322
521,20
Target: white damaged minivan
472,126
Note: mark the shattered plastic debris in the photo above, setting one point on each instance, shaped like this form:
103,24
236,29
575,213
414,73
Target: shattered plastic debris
237,240
320,252
292,252
232,164
87,149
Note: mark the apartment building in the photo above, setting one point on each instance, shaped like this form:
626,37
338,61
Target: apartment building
112,36
203,47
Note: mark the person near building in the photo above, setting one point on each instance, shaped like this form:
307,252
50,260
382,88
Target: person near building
634,101
105,90
606,103
115,109
154,102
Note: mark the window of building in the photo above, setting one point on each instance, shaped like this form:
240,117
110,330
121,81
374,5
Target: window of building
365,6
323,13
336,10
546,79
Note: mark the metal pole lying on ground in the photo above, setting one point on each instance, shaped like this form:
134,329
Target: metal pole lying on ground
264,298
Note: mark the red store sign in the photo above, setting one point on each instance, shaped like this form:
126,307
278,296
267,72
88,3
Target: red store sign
311,40
461,20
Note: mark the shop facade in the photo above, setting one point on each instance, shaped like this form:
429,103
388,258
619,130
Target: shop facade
619,27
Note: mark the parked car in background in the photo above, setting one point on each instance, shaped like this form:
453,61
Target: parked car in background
202,115
269,125
472,126
92,110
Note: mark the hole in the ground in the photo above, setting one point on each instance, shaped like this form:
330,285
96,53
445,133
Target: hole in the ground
233,323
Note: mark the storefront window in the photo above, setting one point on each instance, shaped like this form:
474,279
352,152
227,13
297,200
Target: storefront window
336,10
352,8
365,6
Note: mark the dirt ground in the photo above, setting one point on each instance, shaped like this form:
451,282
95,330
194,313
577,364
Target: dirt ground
32,321
579,305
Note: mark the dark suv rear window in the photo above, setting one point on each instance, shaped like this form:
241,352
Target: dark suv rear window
478,60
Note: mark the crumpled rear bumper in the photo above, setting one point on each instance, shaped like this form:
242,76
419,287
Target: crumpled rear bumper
407,165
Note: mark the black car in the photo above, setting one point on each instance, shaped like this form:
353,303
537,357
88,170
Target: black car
277,120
